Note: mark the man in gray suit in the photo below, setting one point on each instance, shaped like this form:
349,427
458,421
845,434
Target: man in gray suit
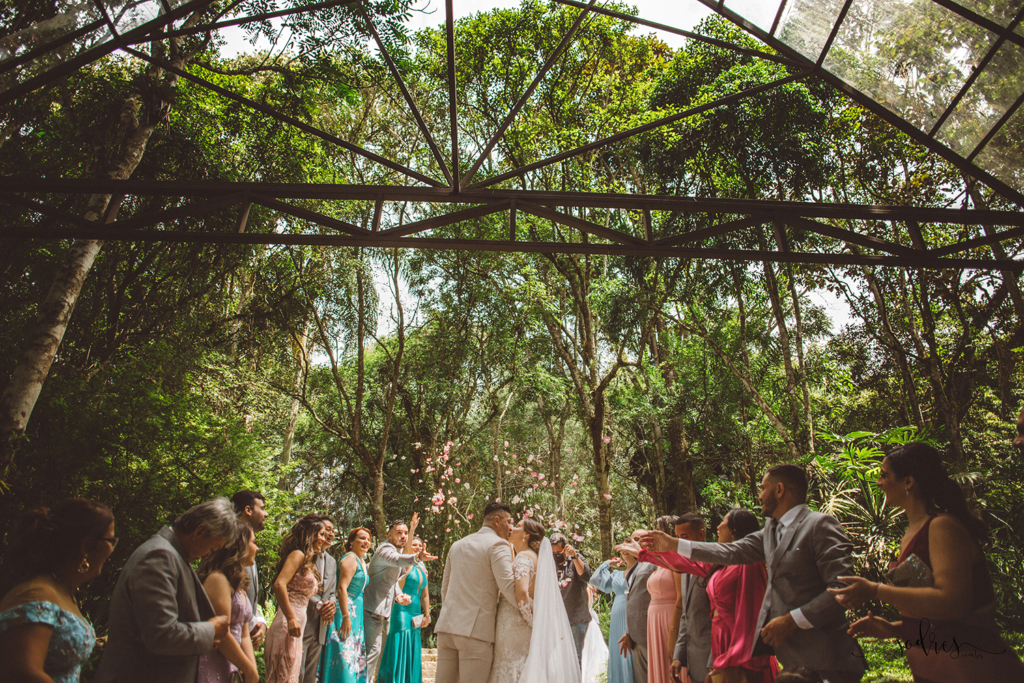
693,646
634,640
388,565
160,617
320,608
805,553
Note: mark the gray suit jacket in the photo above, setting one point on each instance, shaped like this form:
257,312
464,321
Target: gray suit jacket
328,568
637,601
382,583
693,646
157,620
812,553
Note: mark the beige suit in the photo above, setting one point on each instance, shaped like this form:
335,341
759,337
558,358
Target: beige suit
477,570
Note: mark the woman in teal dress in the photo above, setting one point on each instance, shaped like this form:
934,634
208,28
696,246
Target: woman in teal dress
343,659
401,659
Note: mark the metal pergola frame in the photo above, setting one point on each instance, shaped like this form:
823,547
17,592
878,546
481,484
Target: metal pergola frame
457,191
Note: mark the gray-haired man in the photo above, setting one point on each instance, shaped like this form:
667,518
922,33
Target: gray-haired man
160,618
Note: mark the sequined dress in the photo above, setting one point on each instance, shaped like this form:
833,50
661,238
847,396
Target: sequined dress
284,652
513,627
70,645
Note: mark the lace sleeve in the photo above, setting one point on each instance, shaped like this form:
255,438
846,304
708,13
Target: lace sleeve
526,609
524,570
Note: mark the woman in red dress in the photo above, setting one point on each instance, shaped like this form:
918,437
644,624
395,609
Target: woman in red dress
736,593
940,584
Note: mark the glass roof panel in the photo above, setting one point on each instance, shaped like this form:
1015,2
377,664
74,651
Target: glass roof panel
760,13
68,17
999,11
991,95
911,57
806,25
1003,156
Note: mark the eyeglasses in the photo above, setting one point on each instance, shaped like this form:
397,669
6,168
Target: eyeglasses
112,541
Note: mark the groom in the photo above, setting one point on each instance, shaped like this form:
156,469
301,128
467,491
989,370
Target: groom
478,569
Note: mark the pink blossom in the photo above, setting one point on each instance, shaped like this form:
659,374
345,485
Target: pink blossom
470,516
607,496
606,439
536,485
540,476
457,480
533,474
543,483
506,444
458,464
448,531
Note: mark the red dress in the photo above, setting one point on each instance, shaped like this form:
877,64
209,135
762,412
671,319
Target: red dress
965,650
736,593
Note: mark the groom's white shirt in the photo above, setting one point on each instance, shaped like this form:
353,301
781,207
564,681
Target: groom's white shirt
477,570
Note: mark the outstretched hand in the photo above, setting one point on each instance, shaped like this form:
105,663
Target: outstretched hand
873,627
424,556
616,562
629,548
659,542
857,591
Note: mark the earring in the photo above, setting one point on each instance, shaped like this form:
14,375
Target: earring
84,566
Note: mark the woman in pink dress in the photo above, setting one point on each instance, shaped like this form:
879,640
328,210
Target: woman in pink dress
224,581
663,615
736,594
297,580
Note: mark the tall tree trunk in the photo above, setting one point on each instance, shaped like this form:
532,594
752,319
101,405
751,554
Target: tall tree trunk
772,285
798,341
299,346
141,112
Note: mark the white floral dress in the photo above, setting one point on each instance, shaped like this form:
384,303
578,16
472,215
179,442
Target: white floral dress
513,627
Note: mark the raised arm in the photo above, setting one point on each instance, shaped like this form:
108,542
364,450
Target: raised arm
602,578
676,562
747,550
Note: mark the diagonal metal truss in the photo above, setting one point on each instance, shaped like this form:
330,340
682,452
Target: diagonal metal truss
885,235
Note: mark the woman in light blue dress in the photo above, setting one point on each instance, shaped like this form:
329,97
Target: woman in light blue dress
401,662
606,580
53,552
343,659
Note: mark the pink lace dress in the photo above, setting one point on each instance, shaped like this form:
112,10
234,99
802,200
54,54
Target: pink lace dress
283,652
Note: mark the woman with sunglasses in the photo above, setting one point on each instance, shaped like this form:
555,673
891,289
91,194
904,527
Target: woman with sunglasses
43,635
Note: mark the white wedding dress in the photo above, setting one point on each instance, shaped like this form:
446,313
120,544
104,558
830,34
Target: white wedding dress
513,627
552,656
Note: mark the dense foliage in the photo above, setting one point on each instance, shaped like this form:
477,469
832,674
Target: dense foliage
595,393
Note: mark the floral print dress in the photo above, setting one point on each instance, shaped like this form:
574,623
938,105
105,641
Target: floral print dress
343,659
70,645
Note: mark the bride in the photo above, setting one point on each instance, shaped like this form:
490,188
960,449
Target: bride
533,641
513,625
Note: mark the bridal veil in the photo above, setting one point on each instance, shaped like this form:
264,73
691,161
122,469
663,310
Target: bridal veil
553,657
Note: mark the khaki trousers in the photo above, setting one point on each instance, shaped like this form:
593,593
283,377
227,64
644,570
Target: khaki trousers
461,659
640,663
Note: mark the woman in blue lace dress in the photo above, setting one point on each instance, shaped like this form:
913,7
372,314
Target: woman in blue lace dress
343,659
54,552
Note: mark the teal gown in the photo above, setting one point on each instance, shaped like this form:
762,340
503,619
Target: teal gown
400,662
343,660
